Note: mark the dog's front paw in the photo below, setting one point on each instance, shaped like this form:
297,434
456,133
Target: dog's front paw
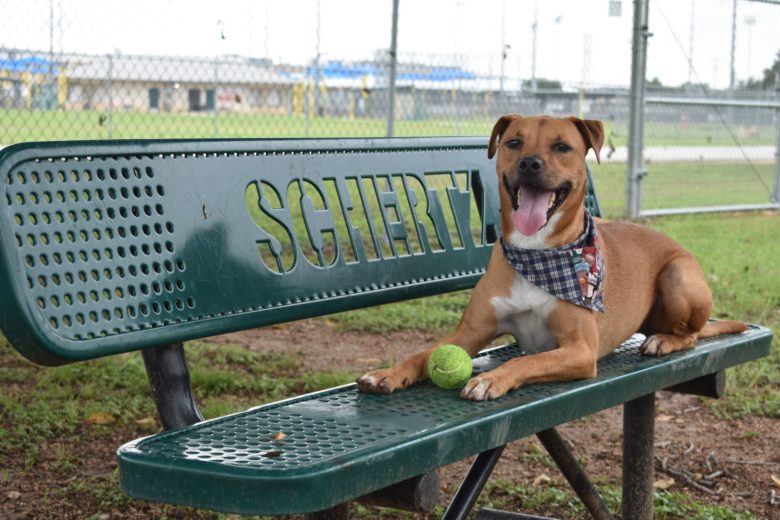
663,344
383,381
652,346
483,388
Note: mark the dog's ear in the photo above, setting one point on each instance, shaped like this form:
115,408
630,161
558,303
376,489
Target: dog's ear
592,132
498,131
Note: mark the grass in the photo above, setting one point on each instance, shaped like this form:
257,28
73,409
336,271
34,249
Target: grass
558,499
739,257
667,185
687,184
39,406
44,126
23,125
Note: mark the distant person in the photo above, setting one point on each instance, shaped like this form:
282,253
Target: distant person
611,143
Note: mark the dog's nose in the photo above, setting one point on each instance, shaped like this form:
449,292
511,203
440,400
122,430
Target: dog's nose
531,165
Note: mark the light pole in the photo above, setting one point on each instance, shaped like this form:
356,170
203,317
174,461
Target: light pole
317,66
504,48
690,43
393,70
534,28
750,21
732,79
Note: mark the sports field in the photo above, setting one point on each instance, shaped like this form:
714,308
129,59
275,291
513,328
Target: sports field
668,184
22,125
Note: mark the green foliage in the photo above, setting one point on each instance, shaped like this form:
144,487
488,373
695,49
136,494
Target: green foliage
36,125
678,505
767,81
678,185
557,499
435,313
739,258
42,403
736,252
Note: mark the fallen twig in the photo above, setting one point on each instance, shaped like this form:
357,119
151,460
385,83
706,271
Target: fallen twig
700,484
752,462
711,462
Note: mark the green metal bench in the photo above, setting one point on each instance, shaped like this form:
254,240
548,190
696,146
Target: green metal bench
111,247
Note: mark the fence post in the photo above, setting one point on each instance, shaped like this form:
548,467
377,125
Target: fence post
110,96
776,193
214,110
393,65
636,118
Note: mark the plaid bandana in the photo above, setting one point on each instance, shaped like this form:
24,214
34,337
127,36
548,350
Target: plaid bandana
574,272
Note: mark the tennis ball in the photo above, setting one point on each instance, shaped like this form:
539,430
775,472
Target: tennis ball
449,367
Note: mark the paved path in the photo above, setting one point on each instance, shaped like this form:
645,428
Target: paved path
695,153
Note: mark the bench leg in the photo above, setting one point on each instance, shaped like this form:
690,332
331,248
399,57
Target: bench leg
577,478
339,512
638,430
418,494
169,378
472,485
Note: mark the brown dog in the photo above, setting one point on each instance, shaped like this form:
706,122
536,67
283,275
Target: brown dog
643,280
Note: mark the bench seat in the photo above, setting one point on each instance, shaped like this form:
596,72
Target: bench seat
340,444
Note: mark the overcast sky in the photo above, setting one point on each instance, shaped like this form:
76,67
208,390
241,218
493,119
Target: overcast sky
576,40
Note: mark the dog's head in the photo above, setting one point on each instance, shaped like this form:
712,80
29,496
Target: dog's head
541,172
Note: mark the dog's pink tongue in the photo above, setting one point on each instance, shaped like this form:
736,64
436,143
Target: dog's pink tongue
532,213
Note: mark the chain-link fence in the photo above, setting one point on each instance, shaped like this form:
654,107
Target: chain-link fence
81,69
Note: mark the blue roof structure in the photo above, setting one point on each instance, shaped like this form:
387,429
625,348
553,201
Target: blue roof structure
338,70
34,64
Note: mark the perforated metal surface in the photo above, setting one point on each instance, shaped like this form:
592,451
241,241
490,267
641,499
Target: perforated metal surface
97,247
117,246
340,444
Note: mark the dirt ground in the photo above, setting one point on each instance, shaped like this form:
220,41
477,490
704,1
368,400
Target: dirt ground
689,438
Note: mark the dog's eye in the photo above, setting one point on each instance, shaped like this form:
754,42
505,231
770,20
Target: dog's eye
561,147
514,144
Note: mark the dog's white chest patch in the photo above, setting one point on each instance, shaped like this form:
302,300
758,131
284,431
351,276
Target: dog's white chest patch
523,314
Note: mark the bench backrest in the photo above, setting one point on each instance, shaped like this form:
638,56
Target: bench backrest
109,246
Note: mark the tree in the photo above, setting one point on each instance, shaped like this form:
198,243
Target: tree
767,82
769,74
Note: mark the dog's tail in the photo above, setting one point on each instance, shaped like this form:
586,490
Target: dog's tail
715,328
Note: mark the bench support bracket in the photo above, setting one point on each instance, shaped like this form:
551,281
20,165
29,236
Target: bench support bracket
169,378
579,481
472,485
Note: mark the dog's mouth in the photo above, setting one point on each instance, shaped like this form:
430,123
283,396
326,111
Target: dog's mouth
534,206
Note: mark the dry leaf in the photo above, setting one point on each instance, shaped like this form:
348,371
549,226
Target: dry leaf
13,495
542,479
664,418
271,454
147,424
664,483
776,481
100,418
